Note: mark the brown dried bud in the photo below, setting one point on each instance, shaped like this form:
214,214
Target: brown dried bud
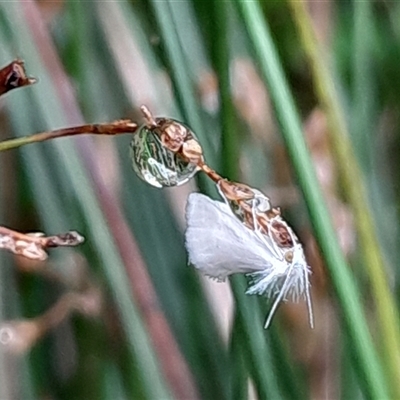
175,137
71,238
172,134
281,234
34,245
192,151
236,191
13,76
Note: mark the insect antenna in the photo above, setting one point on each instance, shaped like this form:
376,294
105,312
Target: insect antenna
278,298
308,300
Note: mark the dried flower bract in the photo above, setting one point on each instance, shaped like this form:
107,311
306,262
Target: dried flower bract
14,76
34,245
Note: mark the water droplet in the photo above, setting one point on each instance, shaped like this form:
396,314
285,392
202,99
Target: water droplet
154,162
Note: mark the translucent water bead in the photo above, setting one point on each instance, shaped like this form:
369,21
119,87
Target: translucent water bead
160,151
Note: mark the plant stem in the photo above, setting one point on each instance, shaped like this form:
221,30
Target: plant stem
114,128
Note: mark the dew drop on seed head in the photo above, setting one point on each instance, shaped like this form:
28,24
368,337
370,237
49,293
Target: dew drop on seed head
155,163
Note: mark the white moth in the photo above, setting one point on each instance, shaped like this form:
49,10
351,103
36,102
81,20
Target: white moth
219,245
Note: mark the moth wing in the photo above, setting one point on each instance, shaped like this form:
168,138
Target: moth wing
218,243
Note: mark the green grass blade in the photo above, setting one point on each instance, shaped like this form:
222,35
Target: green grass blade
220,50
183,85
364,356
354,184
149,214
255,346
363,93
76,180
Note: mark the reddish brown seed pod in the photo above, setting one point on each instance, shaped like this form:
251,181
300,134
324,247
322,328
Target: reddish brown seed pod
13,76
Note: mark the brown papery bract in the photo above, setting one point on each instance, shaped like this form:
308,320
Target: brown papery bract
35,245
13,76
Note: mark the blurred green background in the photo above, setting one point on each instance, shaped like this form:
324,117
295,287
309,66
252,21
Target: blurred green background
299,99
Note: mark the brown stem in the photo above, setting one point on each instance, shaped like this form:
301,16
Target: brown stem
87,303
21,335
210,172
114,128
